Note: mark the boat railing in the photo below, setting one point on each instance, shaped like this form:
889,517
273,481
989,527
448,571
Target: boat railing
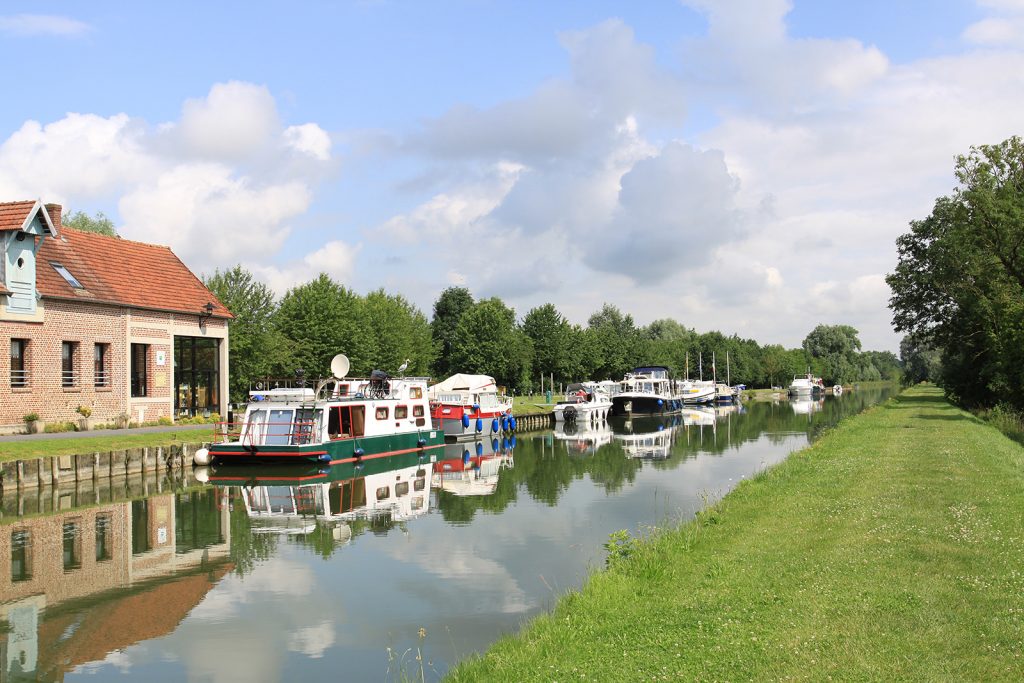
297,433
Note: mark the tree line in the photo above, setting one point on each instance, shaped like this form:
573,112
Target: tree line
958,287
313,321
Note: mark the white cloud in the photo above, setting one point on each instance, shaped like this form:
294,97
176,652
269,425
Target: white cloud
336,258
222,185
309,139
312,641
41,25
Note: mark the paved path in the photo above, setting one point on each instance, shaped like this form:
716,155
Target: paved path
105,432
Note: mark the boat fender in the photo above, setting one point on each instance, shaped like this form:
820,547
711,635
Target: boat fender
512,422
359,452
504,423
661,428
494,425
324,457
202,457
494,444
479,425
660,403
421,442
465,456
476,407
479,449
504,444
465,421
512,441
202,474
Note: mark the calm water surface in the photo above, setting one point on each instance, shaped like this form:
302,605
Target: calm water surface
166,579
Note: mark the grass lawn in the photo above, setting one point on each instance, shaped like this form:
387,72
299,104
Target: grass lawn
523,405
890,550
36,448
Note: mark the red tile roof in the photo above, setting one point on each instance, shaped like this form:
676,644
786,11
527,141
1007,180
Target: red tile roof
118,271
14,214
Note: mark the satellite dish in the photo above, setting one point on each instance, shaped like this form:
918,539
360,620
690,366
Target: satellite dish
339,365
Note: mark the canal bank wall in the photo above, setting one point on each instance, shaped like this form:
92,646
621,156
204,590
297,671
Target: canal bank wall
888,550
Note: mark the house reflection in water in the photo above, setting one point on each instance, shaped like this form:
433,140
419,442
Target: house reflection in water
79,584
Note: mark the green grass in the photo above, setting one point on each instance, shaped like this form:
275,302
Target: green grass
523,405
890,550
36,448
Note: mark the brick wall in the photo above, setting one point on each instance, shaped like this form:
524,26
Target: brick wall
86,325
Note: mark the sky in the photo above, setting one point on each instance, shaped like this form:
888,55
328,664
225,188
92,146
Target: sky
736,165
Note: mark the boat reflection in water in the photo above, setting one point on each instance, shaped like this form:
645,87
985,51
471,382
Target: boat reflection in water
82,575
299,500
472,468
807,406
649,438
583,438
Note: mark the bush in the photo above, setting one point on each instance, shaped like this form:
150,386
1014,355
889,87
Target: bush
30,417
165,421
84,411
54,427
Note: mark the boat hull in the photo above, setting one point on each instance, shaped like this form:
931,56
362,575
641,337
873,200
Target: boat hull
582,412
449,420
644,404
333,452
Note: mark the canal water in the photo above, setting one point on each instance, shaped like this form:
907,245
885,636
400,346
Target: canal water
288,575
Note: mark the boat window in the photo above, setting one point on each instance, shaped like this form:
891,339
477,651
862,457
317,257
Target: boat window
416,392
383,493
279,428
382,412
253,432
401,489
308,426
417,411
419,484
417,503
648,388
401,412
342,390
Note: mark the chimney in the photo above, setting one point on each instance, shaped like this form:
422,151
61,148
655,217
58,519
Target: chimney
54,211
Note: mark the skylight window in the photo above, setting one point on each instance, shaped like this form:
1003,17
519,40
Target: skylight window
66,274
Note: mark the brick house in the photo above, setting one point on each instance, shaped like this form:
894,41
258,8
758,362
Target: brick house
119,326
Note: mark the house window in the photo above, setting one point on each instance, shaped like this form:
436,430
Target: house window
66,274
67,363
21,555
103,538
100,352
72,546
19,364
139,360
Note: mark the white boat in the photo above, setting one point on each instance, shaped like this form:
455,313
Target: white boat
584,402
806,405
647,390
469,405
724,393
472,469
805,386
696,391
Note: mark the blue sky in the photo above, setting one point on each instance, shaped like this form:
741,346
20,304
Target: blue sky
739,165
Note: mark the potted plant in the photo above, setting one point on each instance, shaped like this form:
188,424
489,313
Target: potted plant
123,420
84,423
32,423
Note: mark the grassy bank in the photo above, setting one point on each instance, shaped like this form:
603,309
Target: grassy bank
892,549
36,448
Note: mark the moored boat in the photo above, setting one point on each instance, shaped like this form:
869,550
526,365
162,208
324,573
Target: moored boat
341,421
804,386
647,390
469,405
583,402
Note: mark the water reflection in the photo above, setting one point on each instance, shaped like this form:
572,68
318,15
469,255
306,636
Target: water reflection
89,580
304,573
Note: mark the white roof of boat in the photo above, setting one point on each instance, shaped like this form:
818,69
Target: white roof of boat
463,382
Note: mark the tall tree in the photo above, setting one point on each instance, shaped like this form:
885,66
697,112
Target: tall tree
618,341
400,332
550,333
99,223
487,342
448,310
320,319
257,347
836,348
959,282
